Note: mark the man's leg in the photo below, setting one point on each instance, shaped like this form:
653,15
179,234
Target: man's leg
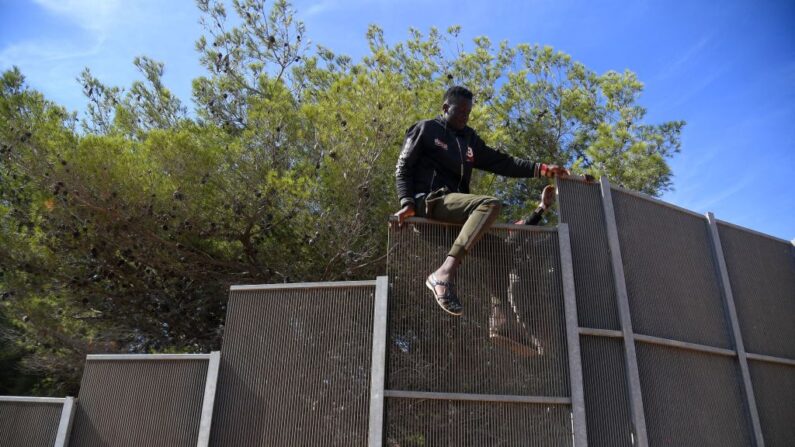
506,327
477,213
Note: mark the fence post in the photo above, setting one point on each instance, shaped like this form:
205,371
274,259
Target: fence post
735,327
572,338
210,386
378,369
65,424
630,356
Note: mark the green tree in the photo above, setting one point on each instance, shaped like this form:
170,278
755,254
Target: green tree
124,236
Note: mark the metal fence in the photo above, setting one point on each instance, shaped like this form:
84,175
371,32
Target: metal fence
687,323
153,400
632,323
295,365
35,421
507,372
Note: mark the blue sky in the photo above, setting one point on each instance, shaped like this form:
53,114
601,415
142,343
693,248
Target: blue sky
725,67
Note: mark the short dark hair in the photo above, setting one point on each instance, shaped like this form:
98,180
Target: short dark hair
456,92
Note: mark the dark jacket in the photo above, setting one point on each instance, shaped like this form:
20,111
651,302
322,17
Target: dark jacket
435,156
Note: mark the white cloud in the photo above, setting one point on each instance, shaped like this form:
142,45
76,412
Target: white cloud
320,7
105,35
51,64
36,53
98,16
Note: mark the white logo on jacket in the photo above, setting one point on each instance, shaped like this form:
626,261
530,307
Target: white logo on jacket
440,143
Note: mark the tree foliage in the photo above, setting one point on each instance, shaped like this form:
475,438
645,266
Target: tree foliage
122,231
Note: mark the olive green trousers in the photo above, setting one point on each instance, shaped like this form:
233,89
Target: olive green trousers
477,213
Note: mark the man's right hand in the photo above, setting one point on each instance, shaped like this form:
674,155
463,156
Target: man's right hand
552,171
548,197
405,213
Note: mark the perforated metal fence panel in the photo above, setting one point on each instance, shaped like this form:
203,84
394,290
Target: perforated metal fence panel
510,286
671,277
140,402
692,398
415,423
774,386
762,276
295,367
684,391
606,398
29,424
581,208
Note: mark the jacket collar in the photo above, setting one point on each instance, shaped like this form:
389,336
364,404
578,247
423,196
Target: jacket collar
465,132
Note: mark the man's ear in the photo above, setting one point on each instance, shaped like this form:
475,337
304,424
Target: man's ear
445,108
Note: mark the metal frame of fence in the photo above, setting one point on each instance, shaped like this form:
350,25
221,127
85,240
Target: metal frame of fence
628,335
208,400
576,402
65,420
265,293
573,339
630,339
378,368
735,326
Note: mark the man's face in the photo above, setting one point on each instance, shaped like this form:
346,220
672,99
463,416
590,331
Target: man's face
457,112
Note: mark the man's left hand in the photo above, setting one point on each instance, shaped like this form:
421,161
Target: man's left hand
406,212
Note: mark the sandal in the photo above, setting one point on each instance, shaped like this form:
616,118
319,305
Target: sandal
448,300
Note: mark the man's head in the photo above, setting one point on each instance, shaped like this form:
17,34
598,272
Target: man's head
456,107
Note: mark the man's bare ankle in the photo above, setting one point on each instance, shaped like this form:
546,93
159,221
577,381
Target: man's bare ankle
447,270
442,275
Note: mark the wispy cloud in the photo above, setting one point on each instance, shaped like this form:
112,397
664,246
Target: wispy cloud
689,172
44,52
694,88
51,67
88,33
321,6
706,203
674,67
97,16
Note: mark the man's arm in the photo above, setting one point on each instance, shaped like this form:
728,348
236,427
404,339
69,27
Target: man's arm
404,172
535,218
498,162
492,160
547,200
